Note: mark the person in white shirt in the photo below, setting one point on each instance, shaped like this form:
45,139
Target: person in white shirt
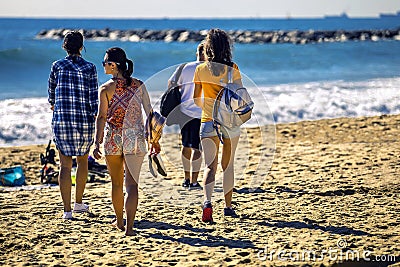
190,131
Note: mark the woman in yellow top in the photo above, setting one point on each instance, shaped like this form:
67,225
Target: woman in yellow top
209,79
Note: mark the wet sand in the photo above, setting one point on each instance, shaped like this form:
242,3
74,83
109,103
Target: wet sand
333,192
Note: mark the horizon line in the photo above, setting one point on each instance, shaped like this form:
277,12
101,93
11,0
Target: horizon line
200,18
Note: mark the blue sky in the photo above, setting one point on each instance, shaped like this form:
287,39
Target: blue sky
195,8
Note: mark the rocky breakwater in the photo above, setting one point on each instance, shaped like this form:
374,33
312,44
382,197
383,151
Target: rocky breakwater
239,36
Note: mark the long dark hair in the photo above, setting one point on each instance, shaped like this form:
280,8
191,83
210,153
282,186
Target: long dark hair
217,48
125,65
73,42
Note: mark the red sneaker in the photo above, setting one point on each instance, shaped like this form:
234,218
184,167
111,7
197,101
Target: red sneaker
207,213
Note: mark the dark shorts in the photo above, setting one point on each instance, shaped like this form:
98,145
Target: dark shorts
191,134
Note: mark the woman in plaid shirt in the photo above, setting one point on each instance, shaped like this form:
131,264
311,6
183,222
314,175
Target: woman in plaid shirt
73,95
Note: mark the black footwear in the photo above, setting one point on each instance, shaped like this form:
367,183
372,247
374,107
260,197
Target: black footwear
186,183
195,186
230,212
207,213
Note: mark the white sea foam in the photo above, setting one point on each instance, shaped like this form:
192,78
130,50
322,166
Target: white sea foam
311,101
24,121
27,121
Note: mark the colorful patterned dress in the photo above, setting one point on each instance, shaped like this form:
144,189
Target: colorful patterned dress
125,127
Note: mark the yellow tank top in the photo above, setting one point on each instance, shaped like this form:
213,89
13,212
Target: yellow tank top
211,86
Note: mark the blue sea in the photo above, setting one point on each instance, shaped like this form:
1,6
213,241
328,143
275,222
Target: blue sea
288,82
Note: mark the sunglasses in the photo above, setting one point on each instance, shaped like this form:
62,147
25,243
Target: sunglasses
108,63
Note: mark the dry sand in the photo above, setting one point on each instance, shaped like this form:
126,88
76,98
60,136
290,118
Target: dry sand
333,183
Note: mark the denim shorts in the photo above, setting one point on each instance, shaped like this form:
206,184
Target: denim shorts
207,130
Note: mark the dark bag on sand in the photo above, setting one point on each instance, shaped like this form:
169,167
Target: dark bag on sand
13,176
233,105
48,174
171,100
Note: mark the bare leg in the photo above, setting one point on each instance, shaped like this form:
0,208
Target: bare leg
196,164
210,147
186,155
81,177
227,163
64,180
116,169
133,164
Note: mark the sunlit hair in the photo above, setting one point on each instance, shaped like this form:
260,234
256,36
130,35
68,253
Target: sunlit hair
73,42
124,65
200,51
217,48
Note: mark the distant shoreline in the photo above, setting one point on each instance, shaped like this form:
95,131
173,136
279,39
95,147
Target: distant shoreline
238,36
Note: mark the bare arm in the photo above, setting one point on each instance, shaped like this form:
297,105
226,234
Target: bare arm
237,77
155,147
101,120
169,84
239,82
197,95
146,100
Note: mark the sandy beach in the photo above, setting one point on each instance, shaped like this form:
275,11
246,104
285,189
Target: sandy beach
328,196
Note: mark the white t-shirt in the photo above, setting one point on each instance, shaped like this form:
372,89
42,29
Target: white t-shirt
187,89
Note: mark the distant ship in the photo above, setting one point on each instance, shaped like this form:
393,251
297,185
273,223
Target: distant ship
341,16
390,15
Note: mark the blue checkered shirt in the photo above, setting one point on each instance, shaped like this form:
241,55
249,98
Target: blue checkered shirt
73,90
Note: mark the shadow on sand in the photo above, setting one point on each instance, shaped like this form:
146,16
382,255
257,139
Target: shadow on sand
201,236
342,230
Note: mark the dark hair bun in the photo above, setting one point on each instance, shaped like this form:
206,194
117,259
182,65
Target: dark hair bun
73,42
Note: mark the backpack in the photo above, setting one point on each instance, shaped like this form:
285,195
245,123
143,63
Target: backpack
12,176
233,105
48,174
171,99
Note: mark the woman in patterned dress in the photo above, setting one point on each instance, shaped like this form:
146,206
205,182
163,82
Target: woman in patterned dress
73,96
120,123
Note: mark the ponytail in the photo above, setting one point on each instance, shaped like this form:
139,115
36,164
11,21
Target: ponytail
125,65
128,72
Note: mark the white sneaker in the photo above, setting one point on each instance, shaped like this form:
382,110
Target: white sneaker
67,215
81,207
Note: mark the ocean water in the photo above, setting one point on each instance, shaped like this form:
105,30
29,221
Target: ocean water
288,82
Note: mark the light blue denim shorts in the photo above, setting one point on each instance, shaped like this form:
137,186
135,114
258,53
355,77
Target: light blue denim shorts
207,130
